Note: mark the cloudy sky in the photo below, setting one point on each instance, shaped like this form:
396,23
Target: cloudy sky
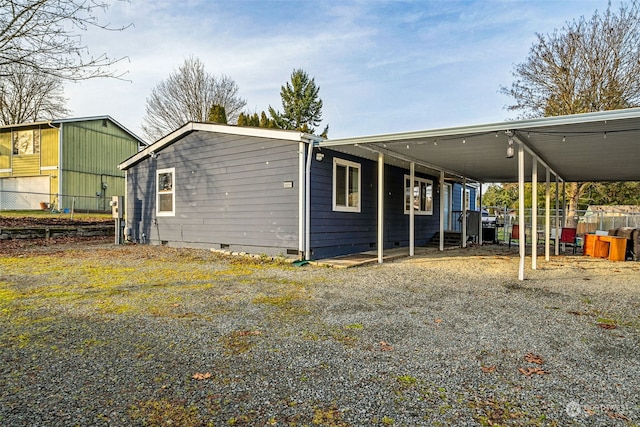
382,66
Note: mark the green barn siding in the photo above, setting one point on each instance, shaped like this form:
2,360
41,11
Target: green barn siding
86,187
91,154
93,148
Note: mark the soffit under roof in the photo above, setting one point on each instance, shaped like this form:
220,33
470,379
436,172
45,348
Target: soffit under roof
602,146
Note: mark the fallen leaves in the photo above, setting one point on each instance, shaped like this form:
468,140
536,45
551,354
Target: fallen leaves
384,346
438,321
536,359
201,376
488,369
530,371
533,358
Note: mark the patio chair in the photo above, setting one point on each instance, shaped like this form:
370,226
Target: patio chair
568,236
515,234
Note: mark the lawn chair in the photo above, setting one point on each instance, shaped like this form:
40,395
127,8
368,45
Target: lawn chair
515,234
569,237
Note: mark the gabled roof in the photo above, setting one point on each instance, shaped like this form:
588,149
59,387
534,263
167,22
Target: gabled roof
75,120
156,147
603,146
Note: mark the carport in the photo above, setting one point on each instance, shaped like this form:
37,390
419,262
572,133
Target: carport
602,146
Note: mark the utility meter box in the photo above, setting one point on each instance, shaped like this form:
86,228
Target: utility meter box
117,206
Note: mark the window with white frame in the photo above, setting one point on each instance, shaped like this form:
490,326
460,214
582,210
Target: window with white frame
346,186
26,142
165,184
419,195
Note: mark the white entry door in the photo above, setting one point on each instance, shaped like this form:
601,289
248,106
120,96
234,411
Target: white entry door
447,206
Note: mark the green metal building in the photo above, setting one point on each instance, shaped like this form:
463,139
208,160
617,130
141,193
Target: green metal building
64,164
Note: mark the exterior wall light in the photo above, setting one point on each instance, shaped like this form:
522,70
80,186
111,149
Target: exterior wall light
511,151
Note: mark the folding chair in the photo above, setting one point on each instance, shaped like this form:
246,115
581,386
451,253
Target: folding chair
515,234
568,236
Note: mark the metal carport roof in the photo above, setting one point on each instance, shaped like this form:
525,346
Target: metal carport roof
602,146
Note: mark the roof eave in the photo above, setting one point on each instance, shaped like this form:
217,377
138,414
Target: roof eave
160,144
601,116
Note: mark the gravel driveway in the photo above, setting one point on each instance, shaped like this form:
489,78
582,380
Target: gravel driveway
97,335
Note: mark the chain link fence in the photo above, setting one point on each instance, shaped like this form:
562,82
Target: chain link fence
65,203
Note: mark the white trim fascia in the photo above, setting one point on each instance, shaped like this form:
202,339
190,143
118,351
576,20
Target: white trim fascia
5,171
157,146
104,117
629,113
50,123
48,168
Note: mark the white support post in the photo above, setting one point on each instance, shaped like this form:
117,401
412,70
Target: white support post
534,214
442,202
521,220
480,222
464,212
547,216
564,206
411,210
380,208
557,237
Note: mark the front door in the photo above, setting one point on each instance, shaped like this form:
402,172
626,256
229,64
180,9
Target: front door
447,206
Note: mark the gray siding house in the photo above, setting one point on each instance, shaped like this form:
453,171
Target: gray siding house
273,192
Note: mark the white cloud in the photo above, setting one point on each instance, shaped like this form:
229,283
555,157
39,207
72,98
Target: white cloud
382,66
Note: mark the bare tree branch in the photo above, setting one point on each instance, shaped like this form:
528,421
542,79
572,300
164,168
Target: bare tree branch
188,95
29,97
588,65
44,36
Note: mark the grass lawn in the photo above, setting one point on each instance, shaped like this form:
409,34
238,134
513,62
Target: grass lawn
94,216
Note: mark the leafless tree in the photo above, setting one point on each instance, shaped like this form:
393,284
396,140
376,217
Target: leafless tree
44,36
27,96
187,95
587,66
584,67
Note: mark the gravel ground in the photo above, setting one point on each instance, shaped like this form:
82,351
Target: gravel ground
149,336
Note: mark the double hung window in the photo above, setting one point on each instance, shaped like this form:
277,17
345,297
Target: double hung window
418,196
346,186
165,184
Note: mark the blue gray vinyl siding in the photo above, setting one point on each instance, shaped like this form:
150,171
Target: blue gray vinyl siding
339,233
457,195
230,193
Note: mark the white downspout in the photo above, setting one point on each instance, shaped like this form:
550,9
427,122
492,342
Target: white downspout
60,165
301,197
307,204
